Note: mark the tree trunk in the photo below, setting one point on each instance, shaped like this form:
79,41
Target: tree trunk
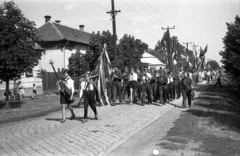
7,95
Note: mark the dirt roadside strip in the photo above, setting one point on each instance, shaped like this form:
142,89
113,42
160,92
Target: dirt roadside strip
210,128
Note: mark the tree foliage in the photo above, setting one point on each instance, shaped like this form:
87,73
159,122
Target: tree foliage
213,65
96,46
17,43
131,51
78,64
231,53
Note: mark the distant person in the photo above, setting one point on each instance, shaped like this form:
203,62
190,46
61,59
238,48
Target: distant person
34,91
15,90
219,76
21,90
187,86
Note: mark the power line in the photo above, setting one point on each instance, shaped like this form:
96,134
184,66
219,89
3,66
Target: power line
156,11
147,12
137,12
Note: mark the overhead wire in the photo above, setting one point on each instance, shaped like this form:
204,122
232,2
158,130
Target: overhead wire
138,12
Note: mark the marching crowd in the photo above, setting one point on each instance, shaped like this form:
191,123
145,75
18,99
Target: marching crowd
146,86
155,85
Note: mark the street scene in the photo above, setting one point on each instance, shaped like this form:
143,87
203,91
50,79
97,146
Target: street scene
119,78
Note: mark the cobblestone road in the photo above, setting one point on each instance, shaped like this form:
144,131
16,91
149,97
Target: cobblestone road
46,136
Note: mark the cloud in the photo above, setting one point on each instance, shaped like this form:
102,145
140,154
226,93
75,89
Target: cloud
70,6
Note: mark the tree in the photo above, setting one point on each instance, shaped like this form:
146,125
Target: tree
213,65
96,46
78,64
231,53
17,44
131,51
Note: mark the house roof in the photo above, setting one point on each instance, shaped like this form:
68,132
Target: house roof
51,31
150,59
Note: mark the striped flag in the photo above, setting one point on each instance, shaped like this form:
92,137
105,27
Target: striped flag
104,71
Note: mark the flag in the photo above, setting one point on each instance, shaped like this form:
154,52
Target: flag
190,64
174,52
194,50
202,63
103,67
203,52
174,58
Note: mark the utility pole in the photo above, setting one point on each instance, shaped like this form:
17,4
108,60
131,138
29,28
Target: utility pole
113,14
169,45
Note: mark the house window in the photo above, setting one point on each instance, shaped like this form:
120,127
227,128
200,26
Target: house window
29,74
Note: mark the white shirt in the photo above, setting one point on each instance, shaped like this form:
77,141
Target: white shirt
83,86
70,85
149,75
170,80
133,77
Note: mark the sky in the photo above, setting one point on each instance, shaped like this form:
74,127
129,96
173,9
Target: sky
200,21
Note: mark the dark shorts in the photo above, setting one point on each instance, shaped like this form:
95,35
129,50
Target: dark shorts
65,98
35,91
133,84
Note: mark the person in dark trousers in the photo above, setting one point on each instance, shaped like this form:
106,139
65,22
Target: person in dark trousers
178,85
161,84
117,78
125,87
187,86
147,86
219,76
88,90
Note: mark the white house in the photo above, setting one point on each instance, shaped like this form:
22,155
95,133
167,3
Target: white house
58,42
152,61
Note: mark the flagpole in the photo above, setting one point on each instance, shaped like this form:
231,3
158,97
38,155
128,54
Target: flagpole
168,45
187,49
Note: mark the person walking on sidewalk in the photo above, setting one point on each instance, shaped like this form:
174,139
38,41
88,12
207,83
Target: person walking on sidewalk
219,76
187,87
88,91
117,78
65,98
133,77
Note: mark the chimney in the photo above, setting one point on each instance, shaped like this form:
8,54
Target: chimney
47,18
57,21
81,27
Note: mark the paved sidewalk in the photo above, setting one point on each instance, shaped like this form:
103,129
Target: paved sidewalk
47,136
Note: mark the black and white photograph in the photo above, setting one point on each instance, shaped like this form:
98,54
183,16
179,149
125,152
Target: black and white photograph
119,78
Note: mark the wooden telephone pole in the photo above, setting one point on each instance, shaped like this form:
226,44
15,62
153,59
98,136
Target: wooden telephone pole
169,45
113,13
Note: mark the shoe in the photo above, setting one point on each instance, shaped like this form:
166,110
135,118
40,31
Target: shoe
84,120
96,117
72,117
62,121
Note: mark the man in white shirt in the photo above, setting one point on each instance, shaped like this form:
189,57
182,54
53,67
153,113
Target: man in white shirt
133,77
